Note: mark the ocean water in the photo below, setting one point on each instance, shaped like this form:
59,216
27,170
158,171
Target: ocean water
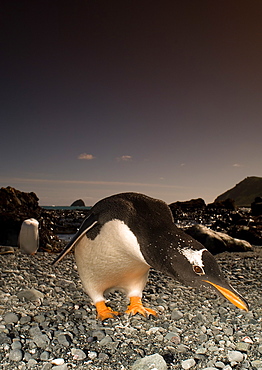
65,237
66,208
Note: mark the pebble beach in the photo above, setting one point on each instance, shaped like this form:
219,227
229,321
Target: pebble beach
48,322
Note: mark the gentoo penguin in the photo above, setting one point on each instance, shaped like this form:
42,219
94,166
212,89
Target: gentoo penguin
126,234
28,239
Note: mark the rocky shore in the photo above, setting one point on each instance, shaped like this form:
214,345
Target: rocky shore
47,322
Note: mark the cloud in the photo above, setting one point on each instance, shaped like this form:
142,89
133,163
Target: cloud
125,158
236,165
85,156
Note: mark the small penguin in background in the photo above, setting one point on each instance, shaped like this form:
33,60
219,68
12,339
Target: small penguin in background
127,234
28,239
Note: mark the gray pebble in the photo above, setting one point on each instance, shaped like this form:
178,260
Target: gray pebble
60,367
92,355
63,340
176,315
46,366
202,338
103,356
35,330
99,334
25,320
16,355
182,348
30,295
257,364
106,340
16,345
78,354
201,350
27,356
4,338
220,364
44,356
187,364
228,331
150,362
31,363
39,318
235,356
11,318
173,337
242,346
42,340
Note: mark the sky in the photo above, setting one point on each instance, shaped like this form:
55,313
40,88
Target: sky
102,97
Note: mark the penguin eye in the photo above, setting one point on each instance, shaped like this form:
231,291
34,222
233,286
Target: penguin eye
198,270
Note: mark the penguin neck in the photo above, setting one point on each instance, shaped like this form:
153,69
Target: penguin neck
161,254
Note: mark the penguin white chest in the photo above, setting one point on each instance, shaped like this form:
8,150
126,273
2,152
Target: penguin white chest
112,260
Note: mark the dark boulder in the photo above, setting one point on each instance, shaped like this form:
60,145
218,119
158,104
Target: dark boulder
16,207
217,242
198,203
12,199
256,207
78,203
228,204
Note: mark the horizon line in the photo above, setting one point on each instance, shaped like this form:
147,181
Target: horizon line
88,182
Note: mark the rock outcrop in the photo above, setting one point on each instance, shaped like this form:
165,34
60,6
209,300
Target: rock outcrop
244,192
16,207
78,203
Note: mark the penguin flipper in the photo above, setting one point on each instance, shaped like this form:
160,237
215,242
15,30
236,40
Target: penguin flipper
87,224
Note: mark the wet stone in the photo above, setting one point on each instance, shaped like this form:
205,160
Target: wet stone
220,364
173,337
31,363
176,315
257,364
187,364
242,346
39,318
42,341
44,356
16,355
150,362
235,356
11,318
60,367
78,354
64,340
30,295
25,320
105,341
16,345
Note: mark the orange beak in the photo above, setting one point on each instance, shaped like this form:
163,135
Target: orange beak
231,296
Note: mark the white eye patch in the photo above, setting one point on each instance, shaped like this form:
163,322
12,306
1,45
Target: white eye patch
193,256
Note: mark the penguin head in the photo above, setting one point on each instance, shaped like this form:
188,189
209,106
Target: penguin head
198,268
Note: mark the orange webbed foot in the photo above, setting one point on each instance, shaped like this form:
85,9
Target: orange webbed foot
136,306
105,312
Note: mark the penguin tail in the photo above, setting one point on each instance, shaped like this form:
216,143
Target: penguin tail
87,224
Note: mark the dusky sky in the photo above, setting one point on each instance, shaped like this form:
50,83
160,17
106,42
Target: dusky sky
100,97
